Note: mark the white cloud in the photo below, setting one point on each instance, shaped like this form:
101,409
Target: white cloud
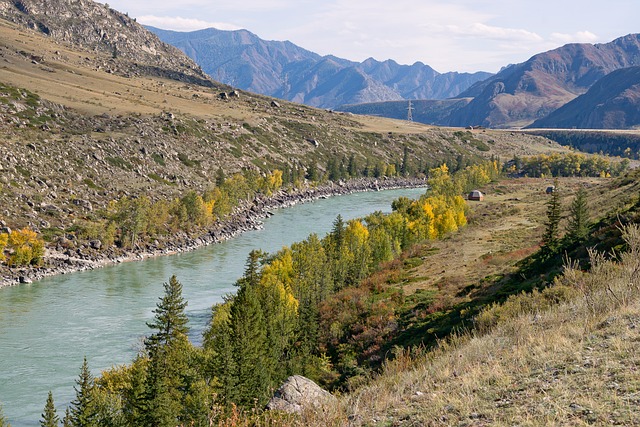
183,24
495,33
579,37
461,35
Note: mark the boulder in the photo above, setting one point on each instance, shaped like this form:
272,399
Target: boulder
298,393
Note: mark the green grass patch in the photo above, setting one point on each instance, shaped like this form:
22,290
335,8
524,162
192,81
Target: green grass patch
158,159
160,179
89,183
119,162
184,159
23,171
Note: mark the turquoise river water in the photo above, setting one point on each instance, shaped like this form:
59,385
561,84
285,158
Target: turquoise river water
46,328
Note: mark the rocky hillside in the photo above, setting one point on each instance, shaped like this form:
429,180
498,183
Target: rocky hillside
126,47
286,71
522,93
613,102
77,137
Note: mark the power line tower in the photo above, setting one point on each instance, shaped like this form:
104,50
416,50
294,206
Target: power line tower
409,112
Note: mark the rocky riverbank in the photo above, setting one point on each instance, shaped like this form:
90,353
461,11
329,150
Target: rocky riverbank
59,260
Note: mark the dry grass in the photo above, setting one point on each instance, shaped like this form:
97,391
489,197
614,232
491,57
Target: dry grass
503,229
569,365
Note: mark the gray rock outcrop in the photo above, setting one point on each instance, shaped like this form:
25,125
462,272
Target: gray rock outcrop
298,393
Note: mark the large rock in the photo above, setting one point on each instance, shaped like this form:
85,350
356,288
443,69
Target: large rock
298,393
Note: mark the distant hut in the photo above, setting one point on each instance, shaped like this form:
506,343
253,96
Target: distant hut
476,195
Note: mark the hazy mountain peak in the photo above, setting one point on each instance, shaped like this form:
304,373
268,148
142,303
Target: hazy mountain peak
287,71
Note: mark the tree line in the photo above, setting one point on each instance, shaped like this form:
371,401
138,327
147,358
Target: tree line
566,164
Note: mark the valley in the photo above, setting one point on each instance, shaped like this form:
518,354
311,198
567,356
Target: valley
117,147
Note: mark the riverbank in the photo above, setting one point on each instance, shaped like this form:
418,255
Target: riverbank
64,260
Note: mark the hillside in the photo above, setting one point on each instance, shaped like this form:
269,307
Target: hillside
73,118
562,355
286,71
613,102
522,93
126,48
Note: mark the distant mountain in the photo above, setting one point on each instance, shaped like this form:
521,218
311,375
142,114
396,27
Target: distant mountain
284,70
522,93
613,102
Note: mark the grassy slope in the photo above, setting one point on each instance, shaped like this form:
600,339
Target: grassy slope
564,366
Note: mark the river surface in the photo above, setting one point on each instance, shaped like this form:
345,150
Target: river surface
46,328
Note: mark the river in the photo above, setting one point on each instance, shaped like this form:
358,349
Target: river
46,328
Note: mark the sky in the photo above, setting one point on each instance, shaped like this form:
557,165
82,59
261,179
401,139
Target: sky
454,35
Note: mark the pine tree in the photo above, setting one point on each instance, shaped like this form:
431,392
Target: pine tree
66,421
168,351
578,227
352,168
404,168
3,421
551,238
220,177
170,320
249,341
81,412
49,416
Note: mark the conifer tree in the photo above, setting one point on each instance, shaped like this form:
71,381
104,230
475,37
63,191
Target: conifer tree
81,411
551,238
49,416
168,350
404,168
66,421
249,342
352,167
170,320
3,421
578,227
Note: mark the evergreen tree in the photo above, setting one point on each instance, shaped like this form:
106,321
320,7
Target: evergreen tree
168,351
551,237
249,344
578,227
220,177
333,170
352,168
3,421
81,412
170,320
66,421
404,168
134,396
49,416
337,232
312,172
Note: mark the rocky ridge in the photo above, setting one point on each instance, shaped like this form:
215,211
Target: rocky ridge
95,27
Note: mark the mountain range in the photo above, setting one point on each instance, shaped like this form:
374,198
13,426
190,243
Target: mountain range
286,71
525,92
613,102
515,97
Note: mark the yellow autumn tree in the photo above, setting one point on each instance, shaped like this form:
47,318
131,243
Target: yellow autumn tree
25,247
4,239
272,182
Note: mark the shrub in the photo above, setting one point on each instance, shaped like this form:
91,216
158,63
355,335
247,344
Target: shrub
26,247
